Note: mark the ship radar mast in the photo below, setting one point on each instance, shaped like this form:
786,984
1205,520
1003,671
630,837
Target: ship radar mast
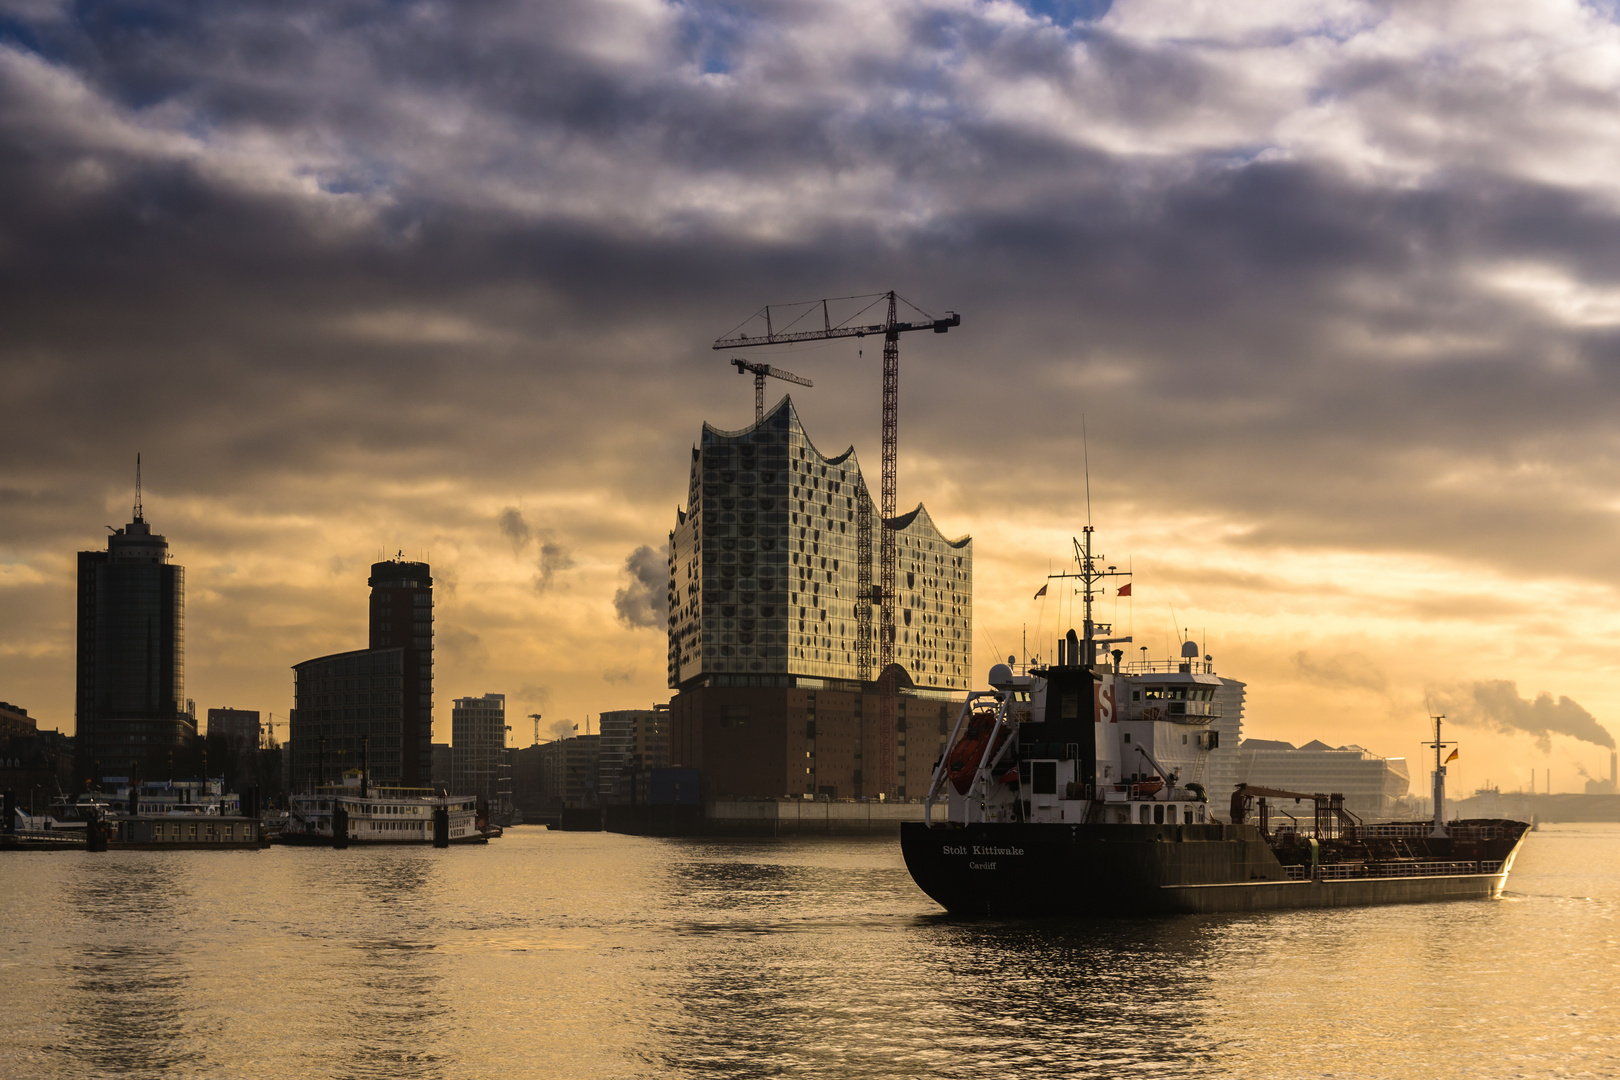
1439,745
1091,575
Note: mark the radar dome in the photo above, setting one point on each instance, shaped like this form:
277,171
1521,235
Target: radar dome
1001,676
1189,650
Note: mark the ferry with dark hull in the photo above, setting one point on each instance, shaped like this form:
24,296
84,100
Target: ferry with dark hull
1062,792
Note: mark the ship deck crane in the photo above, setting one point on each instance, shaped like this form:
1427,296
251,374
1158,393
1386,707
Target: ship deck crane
795,330
760,371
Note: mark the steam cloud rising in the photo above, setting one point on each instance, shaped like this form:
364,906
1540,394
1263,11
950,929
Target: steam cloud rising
1496,704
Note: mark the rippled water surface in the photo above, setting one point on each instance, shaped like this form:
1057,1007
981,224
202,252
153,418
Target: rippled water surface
585,955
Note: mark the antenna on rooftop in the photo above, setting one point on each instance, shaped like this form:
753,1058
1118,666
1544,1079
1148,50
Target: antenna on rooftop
138,488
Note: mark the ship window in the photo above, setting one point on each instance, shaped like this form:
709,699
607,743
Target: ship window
1158,814
1200,813
1186,815
1146,815
1136,695
1122,816
1044,778
1177,693
1154,693
1127,736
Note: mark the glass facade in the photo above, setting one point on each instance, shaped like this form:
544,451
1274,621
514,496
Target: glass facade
341,699
477,744
130,701
764,568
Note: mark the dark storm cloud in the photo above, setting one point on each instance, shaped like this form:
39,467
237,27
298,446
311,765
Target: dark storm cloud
351,261
1496,704
645,601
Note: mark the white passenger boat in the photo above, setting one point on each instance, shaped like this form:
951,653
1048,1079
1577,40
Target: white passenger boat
367,814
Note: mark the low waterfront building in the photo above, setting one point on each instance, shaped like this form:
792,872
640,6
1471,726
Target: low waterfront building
1371,785
568,772
633,743
817,737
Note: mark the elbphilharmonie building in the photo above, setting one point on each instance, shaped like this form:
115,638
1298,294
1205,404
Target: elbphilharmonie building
772,628
765,569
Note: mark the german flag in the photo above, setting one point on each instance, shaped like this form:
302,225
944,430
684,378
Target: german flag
1453,756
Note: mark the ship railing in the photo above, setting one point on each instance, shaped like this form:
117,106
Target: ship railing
1360,871
1408,830
1168,667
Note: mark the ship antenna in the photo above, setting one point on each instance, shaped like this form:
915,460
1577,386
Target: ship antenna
138,487
1085,450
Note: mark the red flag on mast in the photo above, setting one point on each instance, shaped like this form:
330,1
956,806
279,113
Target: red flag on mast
1040,594
1124,590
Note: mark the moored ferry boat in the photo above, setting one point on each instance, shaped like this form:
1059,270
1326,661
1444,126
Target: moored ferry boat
1070,789
355,812
156,815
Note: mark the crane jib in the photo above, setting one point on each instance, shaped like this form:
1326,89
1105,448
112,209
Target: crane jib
938,326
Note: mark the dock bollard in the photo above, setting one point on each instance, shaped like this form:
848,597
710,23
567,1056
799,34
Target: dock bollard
95,833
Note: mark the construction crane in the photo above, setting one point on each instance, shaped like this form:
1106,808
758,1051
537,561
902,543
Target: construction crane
760,371
891,328
536,718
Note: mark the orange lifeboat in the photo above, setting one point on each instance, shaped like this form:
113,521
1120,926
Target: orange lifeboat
965,756
1146,789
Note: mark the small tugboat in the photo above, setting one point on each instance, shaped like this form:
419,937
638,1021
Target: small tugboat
355,812
1062,792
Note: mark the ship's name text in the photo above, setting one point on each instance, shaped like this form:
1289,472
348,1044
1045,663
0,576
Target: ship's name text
979,849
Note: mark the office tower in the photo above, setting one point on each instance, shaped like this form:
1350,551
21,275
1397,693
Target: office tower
477,744
374,704
130,702
771,644
402,618
234,734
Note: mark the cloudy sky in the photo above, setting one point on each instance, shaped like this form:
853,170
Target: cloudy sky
1336,287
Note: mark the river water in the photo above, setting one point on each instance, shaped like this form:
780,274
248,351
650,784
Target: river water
591,955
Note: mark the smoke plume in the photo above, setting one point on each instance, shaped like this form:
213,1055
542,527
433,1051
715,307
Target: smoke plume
1496,704
554,559
645,601
514,528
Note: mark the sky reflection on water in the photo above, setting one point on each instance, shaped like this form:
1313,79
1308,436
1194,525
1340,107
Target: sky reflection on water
589,955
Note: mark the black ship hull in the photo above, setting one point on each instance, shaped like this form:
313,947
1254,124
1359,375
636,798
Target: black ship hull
1061,869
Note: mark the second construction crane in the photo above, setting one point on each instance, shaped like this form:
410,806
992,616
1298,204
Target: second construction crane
760,371
860,326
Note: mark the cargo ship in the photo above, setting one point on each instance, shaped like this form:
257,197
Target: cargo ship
1071,789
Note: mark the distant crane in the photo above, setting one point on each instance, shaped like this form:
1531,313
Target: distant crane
891,328
760,371
536,718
